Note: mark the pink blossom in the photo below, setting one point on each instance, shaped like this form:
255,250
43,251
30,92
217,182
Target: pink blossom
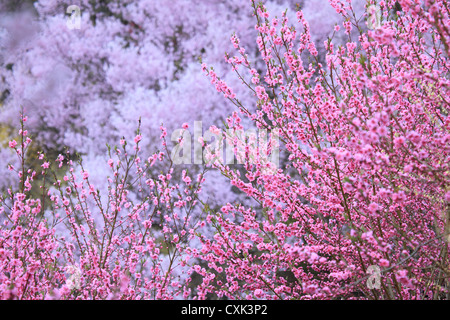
12,144
384,263
373,207
258,293
137,138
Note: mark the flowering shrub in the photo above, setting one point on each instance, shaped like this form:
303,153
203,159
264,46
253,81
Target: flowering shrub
357,208
366,182
119,245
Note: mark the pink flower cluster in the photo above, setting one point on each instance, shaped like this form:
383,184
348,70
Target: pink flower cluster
367,169
364,181
77,243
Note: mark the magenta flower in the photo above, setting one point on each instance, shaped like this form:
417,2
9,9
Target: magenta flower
12,144
85,175
45,165
137,138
